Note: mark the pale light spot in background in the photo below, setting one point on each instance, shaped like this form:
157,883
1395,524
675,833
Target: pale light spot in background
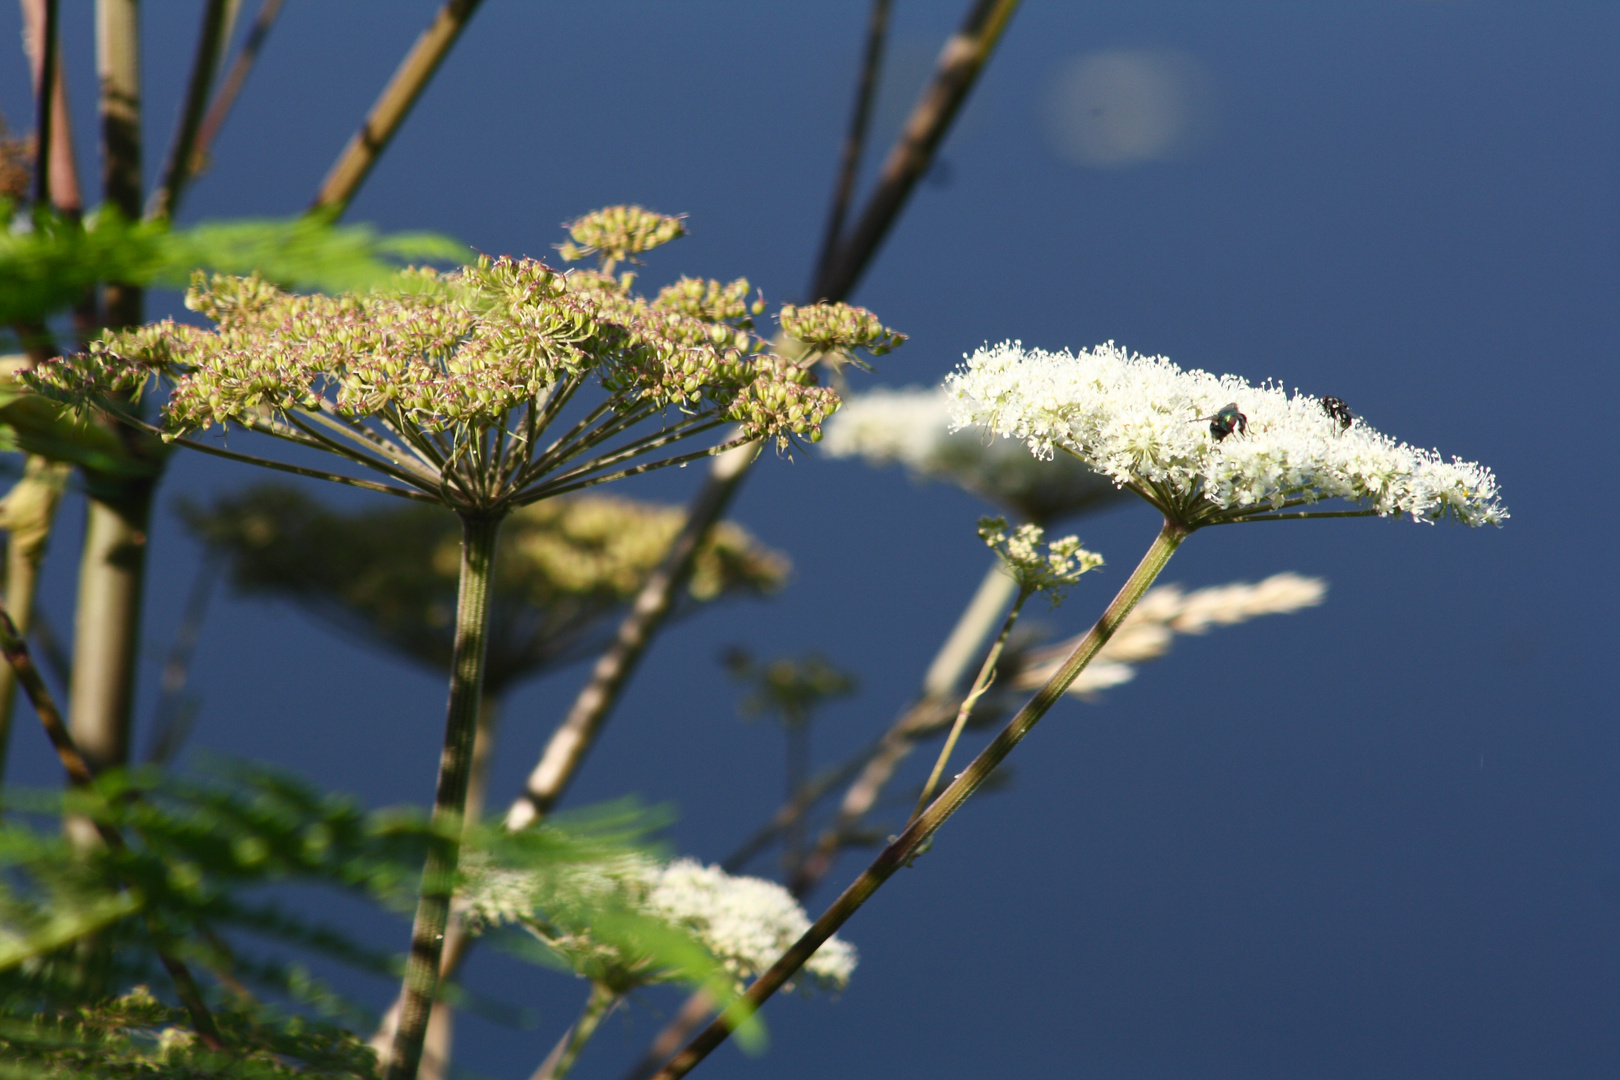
1123,107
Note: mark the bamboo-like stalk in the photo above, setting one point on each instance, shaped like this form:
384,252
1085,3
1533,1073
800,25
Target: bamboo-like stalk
27,514
900,850
392,106
421,980
106,629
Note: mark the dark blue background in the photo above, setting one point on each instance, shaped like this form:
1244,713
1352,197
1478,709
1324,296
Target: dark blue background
1375,839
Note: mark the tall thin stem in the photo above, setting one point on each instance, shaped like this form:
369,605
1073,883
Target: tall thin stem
421,982
960,62
980,684
177,169
112,569
899,850
561,1059
232,85
849,165
45,101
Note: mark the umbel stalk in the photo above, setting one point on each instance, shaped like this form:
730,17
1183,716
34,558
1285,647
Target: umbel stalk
421,981
903,847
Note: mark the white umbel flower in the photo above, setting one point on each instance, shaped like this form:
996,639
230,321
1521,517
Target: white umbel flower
745,923
912,427
1143,422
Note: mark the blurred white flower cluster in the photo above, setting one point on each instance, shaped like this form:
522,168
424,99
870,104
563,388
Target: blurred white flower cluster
744,923
1162,614
1137,419
912,427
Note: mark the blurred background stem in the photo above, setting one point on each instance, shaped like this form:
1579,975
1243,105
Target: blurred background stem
27,514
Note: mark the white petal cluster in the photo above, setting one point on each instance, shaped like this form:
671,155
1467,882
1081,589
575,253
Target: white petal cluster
1163,613
1137,419
745,923
912,427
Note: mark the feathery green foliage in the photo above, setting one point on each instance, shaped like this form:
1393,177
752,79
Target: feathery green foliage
48,267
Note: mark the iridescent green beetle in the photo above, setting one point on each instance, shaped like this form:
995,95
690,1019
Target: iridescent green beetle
1224,422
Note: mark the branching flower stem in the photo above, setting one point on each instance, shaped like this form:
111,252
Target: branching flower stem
987,674
455,767
901,849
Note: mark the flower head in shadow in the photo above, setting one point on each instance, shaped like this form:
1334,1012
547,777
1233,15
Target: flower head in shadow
912,427
564,568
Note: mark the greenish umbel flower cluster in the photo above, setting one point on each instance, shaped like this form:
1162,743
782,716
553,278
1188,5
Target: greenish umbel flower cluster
836,330
446,384
618,234
1051,571
483,390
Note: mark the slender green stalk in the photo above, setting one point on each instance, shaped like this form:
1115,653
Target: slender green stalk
442,1022
478,535
901,849
987,672
561,1059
